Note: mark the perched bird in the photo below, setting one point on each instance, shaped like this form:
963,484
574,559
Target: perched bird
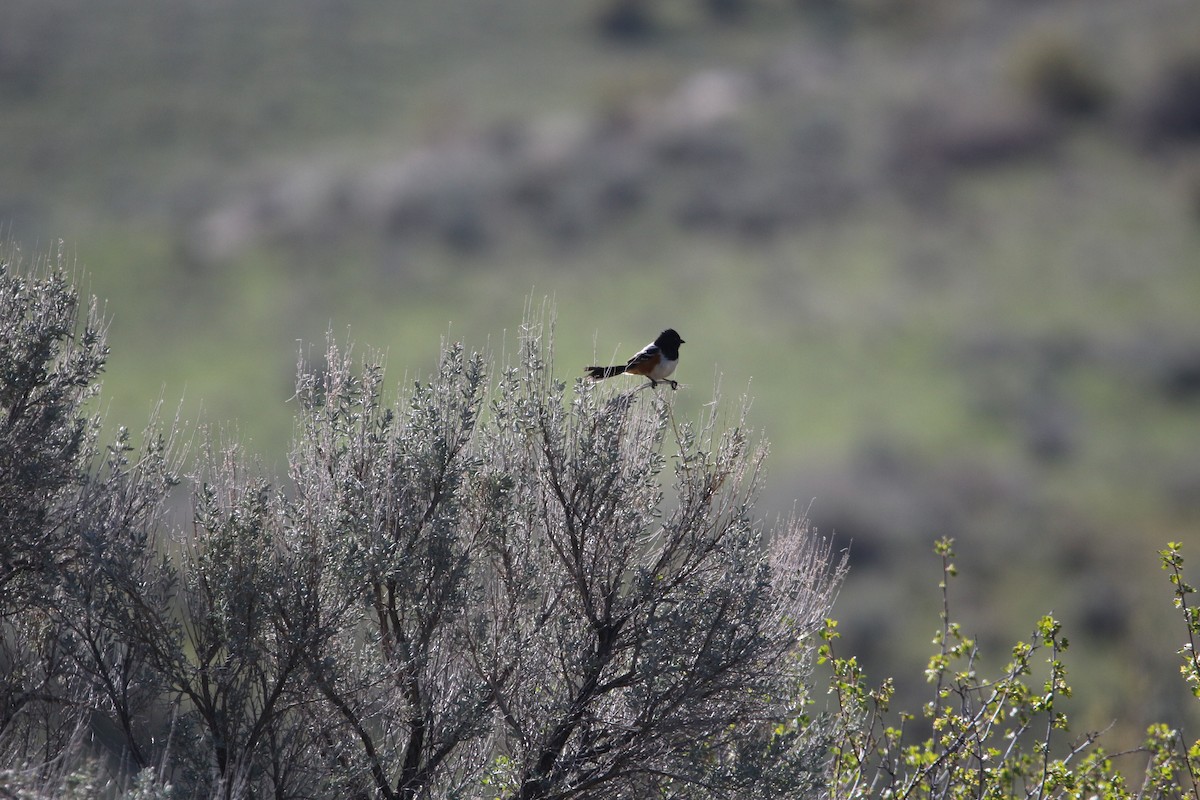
656,361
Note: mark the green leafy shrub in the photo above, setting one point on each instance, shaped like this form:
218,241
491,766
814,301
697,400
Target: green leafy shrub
1000,737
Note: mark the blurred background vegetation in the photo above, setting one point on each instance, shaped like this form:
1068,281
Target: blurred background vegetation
952,249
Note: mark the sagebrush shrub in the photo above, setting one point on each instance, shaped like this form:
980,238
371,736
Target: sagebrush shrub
488,585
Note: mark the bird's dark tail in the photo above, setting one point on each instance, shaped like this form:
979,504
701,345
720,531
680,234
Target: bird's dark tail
599,373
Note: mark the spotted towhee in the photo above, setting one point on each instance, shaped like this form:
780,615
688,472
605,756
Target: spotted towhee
656,361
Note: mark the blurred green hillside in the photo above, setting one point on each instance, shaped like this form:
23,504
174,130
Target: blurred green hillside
951,249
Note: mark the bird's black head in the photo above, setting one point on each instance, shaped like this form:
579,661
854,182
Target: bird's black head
669,339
